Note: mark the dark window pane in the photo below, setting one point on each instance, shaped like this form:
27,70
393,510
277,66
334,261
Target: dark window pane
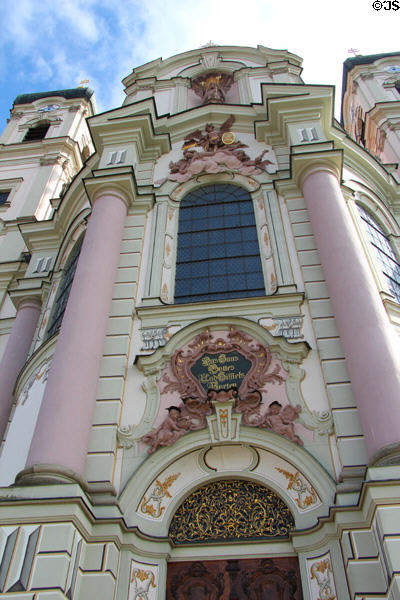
4,196
63,291
216,230
384,252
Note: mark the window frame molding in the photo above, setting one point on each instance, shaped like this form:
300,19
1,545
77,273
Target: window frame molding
11,186
386,221
37,121
271,235
66,248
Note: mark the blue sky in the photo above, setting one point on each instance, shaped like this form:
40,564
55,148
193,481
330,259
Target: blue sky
47,45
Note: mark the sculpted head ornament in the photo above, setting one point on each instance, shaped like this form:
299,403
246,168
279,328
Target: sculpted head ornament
212,87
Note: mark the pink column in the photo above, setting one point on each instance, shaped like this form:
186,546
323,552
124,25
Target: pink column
16,353
60,442
370,345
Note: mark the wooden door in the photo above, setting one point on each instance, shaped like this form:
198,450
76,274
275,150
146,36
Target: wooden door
234,579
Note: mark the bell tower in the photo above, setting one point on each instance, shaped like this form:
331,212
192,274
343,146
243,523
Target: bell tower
371,105
43,146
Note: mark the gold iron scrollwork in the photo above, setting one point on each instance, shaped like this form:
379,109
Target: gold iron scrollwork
230,510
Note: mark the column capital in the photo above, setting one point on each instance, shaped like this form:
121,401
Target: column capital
22,298
120,185
303,165
114,191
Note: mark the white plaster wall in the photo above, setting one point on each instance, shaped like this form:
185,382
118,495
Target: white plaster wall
27,173
255,86
7,310
163,100
20,432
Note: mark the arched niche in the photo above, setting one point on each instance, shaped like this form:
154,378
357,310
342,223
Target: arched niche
160,485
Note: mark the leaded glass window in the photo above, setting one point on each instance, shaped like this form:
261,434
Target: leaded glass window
387,259
63,291
218,254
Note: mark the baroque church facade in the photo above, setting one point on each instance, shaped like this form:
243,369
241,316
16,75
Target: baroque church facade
199,321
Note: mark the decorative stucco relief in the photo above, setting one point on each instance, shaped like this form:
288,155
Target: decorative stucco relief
217,151
289,327
153,337
213,356
261,384
283,474
266,248
152,505
169,483
223,376
306,495
212,87
143,581
321,580
196,467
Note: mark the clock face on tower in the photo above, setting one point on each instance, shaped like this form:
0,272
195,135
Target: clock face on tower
393,69
48,108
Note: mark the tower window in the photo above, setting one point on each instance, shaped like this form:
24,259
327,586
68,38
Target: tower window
388,262
38,132
218,254
4,194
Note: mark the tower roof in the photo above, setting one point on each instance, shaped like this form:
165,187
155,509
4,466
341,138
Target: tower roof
353,61
86,93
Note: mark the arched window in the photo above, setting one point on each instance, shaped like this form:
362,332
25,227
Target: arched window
231,509
63,291
38,132
388,261
218,254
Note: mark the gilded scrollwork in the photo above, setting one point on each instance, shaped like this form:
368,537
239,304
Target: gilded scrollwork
231,510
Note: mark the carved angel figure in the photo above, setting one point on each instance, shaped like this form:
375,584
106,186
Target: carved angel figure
222,395
250,408
281,420
213,139
170,430
196,410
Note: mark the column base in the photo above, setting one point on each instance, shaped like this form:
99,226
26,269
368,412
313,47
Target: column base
44,474
101,492
386,456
